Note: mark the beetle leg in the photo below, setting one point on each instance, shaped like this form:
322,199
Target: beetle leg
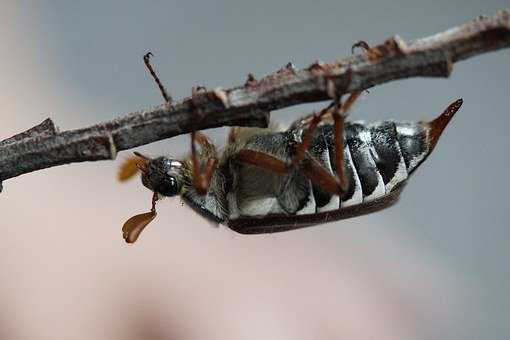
339,116
312,168
372,54
201,179
321,176
263,160
206,143
360,44
146,60
306,140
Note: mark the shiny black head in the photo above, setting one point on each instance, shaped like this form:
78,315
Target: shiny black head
162,175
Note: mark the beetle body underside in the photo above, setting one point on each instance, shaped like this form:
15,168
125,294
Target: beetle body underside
378,157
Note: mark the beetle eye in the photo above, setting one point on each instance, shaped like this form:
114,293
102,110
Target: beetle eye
168,187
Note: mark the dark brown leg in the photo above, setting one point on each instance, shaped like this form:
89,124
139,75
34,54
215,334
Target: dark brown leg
146,60
263,160
339,148
205,143
321,176
311,167
307,139
339,116
360,44
315,171
201,179
301,160
372,54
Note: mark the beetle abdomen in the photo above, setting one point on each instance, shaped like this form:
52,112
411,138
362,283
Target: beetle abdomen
378,157
378,161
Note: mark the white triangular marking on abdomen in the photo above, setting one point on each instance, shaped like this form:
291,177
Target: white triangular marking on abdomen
379,190
400,175
334,202
413,163
357,196
260,207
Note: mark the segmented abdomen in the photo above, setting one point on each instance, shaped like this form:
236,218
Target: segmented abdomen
378,157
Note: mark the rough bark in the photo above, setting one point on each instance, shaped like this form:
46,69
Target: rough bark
249,105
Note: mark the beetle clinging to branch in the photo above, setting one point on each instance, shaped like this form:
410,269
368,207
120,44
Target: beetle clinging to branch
249,105
321,169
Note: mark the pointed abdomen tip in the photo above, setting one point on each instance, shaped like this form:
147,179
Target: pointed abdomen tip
455,106
439,124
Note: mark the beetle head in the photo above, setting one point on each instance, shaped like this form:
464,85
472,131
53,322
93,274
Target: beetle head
162,175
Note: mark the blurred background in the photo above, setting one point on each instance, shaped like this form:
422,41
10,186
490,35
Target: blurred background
433,267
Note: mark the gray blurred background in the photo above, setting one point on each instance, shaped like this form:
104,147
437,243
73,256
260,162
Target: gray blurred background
433,267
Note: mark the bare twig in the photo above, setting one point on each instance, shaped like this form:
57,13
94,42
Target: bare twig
249,105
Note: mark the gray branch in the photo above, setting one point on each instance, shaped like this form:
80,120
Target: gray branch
249,105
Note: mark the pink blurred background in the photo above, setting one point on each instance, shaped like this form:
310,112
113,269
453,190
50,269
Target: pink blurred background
425,269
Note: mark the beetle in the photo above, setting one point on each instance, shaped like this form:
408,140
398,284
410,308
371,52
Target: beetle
269,180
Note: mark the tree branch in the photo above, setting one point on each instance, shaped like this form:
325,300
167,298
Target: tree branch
249,105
